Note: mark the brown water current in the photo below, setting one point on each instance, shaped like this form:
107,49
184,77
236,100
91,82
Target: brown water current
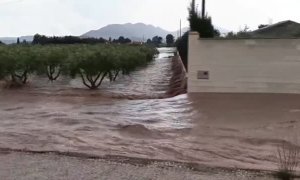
132,117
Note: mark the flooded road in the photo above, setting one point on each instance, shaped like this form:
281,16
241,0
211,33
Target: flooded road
129,118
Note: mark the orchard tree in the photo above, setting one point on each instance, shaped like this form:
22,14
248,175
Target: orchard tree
17,62
26,63
91,66
4,62
52,61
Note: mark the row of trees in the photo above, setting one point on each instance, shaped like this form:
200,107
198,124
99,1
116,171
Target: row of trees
157,40
121,40
41,39
92,63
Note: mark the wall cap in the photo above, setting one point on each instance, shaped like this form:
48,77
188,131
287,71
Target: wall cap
193,33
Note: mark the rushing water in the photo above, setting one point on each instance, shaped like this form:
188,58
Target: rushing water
130,118
65,116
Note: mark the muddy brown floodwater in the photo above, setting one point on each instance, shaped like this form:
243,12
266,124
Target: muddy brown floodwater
130,118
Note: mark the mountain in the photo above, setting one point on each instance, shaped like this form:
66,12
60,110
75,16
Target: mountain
11,40
283,29
135,32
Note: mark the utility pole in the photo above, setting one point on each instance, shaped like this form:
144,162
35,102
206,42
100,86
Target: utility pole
203,9
180,29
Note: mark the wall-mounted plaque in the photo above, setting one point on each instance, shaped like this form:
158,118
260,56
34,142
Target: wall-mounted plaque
203,75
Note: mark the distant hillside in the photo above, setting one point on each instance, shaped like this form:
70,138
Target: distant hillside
284,29
11,40
136,32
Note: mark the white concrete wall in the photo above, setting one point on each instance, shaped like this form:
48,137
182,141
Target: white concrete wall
245,66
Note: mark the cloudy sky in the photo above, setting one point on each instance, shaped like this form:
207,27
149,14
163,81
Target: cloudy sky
75,17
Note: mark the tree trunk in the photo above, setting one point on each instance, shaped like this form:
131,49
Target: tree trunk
13,78
20,78
100,82
116,75
51,71
83,80
92,82
24,77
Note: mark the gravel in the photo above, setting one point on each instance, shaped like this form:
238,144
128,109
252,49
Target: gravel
28,166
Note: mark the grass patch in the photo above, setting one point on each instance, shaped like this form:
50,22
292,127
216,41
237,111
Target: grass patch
288,160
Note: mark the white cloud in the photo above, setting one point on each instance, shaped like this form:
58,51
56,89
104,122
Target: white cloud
234,14
62,17
51,17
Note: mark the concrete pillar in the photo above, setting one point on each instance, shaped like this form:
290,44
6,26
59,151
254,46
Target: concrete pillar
192,44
